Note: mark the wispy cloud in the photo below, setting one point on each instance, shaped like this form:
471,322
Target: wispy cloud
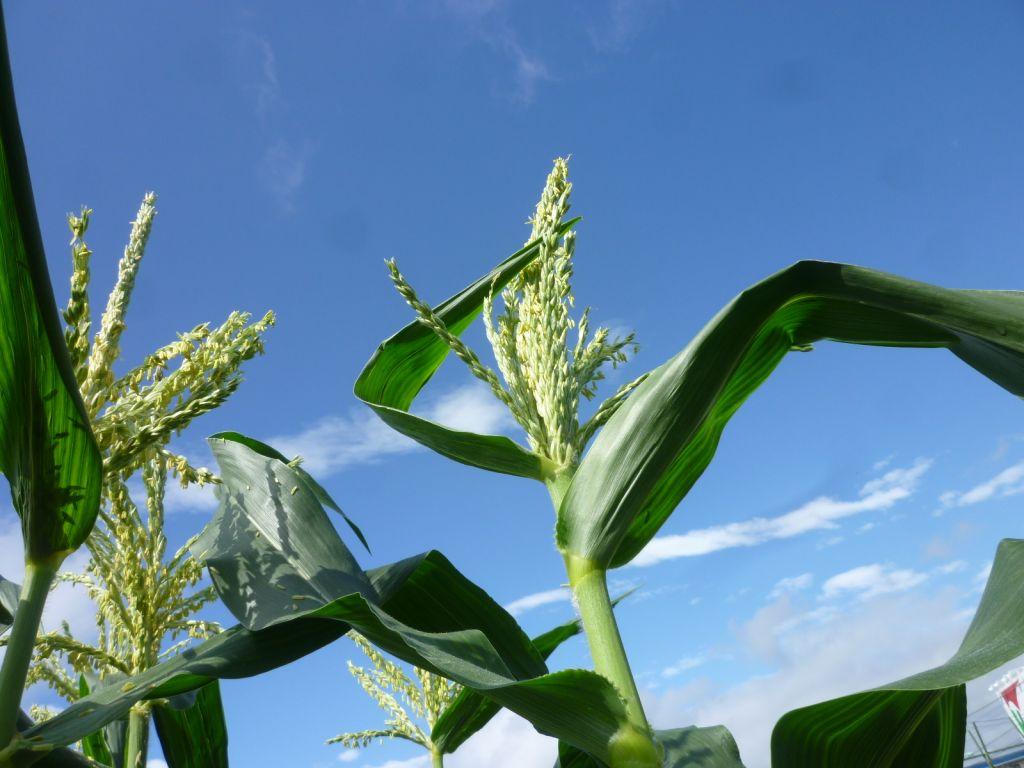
821,513
684,665
283,170
348,756
336,442
620,23
537,599
283,164
868,581
489,22
1009,482
263,82
791,584
815,656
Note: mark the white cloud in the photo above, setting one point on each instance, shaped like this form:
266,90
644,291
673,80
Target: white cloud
507,741
981,578
537,599
821,513
881,464
488,21
348,756
283,170
684,665
791,584
191,499
65,602
954,566
815,658
869,581
257,57
413,762
156,763
620,24
1009,482
337,442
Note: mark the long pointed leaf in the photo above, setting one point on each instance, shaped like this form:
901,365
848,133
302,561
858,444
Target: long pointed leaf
9,594
57,758
195,736
95,746
404,363
657,445
470,711
318,490
920,720
47,449
421,610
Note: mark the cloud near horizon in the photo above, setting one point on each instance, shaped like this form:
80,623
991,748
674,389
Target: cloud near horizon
335,443
822,513
1009,482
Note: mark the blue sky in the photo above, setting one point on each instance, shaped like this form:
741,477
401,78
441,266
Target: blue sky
838,538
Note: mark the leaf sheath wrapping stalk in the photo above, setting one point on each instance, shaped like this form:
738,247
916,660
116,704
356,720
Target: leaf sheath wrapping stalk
656,446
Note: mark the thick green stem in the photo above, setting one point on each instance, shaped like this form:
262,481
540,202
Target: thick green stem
137,742
633,746
38,578
436,758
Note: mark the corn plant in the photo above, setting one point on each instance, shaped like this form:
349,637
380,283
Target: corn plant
47,450
72,434
143,598
452,713
280,566
654,437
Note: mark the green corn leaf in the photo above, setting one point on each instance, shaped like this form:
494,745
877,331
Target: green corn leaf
692,747
94,746
57,758
194,735
9,594
920,720
470,711
318,490
404,363
657,445
47,449
280,567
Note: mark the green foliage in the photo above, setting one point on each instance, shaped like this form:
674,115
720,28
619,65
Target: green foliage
921,716
192,729
309,591
663,429
393,690
684,748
